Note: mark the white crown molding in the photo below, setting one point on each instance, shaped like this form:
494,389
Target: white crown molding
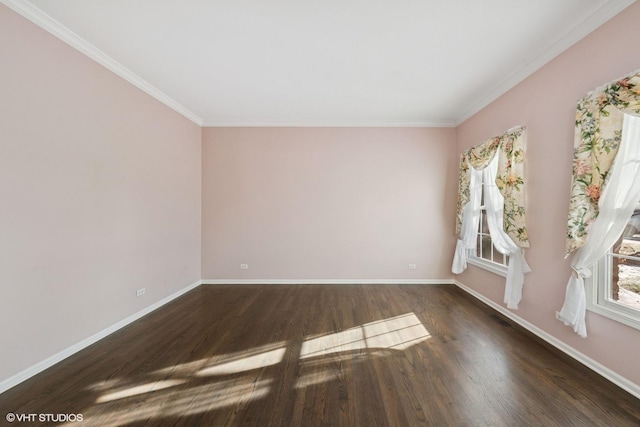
573,35
597,367
425,124
328,281
58,357
605,12
54,27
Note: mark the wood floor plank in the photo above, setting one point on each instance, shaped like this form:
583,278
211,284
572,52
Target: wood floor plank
324,355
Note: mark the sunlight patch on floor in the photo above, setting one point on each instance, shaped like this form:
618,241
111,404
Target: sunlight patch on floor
326,358
105,385
183,369
256,361
178,402
139,389
200,386
318,375
232,361
398,333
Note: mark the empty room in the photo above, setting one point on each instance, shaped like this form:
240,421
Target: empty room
337,213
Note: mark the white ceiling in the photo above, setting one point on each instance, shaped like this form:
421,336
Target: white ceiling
322,63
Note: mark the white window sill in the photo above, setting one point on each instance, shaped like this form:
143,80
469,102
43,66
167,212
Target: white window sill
615,314
597,303
493,267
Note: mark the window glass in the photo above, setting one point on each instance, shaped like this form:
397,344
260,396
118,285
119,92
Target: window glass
485,253
623,278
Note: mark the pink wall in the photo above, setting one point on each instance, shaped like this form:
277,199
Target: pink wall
545,103
101,195
328,203
100,191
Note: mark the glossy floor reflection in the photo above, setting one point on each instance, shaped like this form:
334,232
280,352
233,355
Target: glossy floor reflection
343,355
163,397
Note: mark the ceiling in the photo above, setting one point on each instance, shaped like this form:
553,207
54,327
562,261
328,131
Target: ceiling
322,63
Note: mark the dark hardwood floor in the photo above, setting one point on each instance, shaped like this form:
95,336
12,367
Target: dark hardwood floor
343,355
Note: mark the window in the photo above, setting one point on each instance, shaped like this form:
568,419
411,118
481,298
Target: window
485,255
614,288
491,215
605,189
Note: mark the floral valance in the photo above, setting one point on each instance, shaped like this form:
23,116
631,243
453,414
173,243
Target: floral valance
598,132
509,147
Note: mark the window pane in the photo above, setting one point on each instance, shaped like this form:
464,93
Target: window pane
486,246
625,271
625,282
498,257
484,225
629,242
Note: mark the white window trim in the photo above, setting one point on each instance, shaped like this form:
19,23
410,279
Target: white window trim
596,287
493,267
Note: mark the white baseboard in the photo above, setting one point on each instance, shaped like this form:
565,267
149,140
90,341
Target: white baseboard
602,370
328,282
58,357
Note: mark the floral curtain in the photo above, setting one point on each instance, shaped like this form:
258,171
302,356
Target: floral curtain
499,162
510,180
601,201
598,132
470,222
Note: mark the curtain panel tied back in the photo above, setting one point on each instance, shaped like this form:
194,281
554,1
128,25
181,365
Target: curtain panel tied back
603,196
498,161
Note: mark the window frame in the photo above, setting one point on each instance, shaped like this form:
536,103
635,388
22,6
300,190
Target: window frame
598,287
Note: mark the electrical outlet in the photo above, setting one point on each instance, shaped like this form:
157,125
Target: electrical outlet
140,292
244,266
412,266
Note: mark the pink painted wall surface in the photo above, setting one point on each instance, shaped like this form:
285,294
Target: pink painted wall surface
100,196
545,103
328,203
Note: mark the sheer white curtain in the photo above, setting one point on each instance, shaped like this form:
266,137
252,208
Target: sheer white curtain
616,204
494,203
470,221
518,267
